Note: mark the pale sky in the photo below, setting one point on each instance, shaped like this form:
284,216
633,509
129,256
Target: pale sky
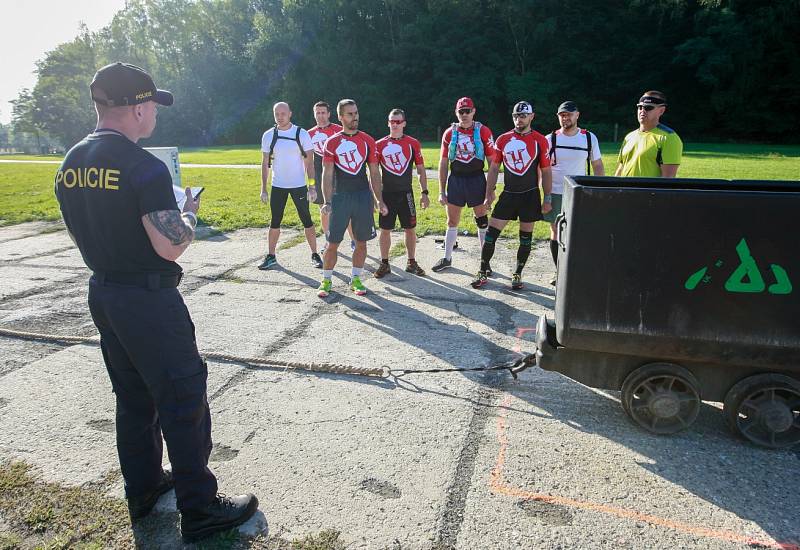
30,28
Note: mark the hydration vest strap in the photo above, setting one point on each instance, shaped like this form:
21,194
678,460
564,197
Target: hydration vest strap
476,138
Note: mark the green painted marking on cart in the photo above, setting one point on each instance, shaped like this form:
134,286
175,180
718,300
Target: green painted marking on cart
746,278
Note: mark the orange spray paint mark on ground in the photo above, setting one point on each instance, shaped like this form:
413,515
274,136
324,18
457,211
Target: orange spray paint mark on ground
498,485
520,332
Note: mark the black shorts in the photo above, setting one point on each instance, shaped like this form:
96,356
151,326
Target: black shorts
526,207
400,205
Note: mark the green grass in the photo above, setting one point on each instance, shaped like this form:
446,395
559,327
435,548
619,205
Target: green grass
231,200
26,193
398,248
50,516
251,154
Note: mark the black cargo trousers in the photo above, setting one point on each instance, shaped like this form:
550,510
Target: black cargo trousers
159,380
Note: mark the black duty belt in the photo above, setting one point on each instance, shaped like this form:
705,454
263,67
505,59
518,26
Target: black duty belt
151,281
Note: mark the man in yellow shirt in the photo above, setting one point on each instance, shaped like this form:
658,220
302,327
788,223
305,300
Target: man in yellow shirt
654,149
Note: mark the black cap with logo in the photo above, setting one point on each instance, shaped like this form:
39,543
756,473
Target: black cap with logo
122,84
567,107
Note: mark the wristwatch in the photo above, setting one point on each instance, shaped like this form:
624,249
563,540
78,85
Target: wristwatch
424,191
548,198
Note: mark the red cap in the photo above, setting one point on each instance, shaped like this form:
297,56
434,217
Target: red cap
464,103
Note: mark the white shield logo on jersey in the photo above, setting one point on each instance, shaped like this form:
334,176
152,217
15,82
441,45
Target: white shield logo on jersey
318,141
465,149
516,156
394,159
348,157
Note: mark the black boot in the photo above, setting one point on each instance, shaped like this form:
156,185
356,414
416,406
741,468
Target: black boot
141,505
222,514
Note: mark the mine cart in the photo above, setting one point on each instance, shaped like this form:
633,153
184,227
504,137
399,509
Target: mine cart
675,291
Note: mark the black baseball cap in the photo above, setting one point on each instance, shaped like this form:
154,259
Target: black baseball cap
125,84
523,107
567,107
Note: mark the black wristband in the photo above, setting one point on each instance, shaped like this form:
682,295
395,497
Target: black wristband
424,191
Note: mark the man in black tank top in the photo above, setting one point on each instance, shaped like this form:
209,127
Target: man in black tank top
119,208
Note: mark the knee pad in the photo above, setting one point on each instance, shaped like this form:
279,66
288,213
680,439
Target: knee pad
491,235
482,222
525,238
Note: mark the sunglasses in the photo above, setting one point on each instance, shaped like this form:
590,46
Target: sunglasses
396,121
464,111
647,108
520,115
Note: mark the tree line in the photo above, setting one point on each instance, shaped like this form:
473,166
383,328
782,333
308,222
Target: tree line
730,68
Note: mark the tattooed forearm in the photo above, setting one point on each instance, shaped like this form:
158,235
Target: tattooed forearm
170,223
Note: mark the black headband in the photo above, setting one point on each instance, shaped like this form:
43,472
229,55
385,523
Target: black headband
652,100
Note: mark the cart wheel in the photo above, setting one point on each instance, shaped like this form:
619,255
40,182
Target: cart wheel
765,409
661,397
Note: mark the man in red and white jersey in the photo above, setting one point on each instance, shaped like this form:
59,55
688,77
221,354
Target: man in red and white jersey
465,145
352,200
523,154
319,135
397,154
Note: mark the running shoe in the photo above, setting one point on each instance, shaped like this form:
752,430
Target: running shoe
382,270
413,267
324,288
357,286
516,281
480,280
269,261
316,261
442,264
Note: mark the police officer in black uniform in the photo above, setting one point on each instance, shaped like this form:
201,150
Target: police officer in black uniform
119,208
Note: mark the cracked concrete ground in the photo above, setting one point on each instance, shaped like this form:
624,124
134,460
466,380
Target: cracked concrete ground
427,461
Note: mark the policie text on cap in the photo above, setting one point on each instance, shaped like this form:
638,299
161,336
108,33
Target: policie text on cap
121,84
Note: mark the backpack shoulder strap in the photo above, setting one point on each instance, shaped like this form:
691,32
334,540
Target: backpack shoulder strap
272,144
659,159
297,139
588,152
552,152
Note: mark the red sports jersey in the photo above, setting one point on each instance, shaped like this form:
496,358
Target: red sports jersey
465,161
395,157
522,155
350,155
320,135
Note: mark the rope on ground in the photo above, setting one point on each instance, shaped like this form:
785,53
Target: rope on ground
381,372
254,361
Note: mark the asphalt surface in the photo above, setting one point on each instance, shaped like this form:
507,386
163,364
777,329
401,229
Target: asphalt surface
452,460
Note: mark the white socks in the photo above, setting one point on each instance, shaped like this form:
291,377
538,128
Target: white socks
481,236
449,240
356,272
327,273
